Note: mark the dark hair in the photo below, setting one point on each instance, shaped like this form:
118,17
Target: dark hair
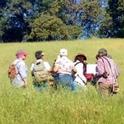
80,57
38,54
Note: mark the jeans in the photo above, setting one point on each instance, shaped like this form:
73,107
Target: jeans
66,80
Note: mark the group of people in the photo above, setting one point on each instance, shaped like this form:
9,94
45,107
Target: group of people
65,72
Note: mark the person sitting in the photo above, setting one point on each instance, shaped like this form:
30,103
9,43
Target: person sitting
64,67
40,72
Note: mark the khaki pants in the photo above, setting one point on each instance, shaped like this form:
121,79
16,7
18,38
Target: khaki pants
105,89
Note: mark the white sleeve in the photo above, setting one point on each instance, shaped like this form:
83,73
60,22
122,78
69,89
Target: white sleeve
47,66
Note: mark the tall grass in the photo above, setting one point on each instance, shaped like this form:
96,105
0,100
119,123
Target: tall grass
26,106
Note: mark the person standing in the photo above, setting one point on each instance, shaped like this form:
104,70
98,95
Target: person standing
107,72
64,68
40,70
19,77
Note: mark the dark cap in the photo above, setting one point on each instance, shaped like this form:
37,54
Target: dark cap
39,54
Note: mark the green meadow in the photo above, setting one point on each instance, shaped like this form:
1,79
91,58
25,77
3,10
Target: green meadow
26,106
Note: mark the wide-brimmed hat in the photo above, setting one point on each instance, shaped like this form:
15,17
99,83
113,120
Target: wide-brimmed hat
63,52
80,57
102,52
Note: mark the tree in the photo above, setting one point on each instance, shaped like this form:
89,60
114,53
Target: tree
113,22
15,15
90,17
116,11
48,27
3,3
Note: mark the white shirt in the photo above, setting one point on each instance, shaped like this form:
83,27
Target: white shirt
22,70
80,78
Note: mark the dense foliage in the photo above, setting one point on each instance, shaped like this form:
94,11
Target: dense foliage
39,20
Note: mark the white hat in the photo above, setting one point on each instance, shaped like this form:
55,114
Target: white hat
63,52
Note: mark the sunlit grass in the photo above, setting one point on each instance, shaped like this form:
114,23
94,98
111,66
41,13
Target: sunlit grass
26,106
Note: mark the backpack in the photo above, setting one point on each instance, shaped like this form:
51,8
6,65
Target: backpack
12,71
39,72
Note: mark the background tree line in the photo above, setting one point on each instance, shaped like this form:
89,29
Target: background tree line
40,20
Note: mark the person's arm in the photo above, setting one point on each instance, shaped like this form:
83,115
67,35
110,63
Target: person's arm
32,66
25,82
22,70
56,68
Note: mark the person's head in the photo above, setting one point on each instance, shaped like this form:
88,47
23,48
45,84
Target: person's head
39,54
102,52
80,57
63,52
21,54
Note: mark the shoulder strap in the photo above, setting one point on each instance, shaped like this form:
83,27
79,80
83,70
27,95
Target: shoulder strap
109,65
84,67
108,62
103,64
76,63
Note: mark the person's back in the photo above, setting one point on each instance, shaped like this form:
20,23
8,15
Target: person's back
40,72
105,64
64,67
79,63
107,73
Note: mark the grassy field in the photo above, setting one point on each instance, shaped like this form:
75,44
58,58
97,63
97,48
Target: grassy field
26,106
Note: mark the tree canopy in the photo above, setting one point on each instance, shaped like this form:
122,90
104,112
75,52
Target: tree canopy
40,20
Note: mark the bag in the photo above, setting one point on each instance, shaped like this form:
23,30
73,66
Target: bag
12,71
39,72
115,88
89,77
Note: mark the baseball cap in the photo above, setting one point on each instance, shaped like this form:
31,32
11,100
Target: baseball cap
21,53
